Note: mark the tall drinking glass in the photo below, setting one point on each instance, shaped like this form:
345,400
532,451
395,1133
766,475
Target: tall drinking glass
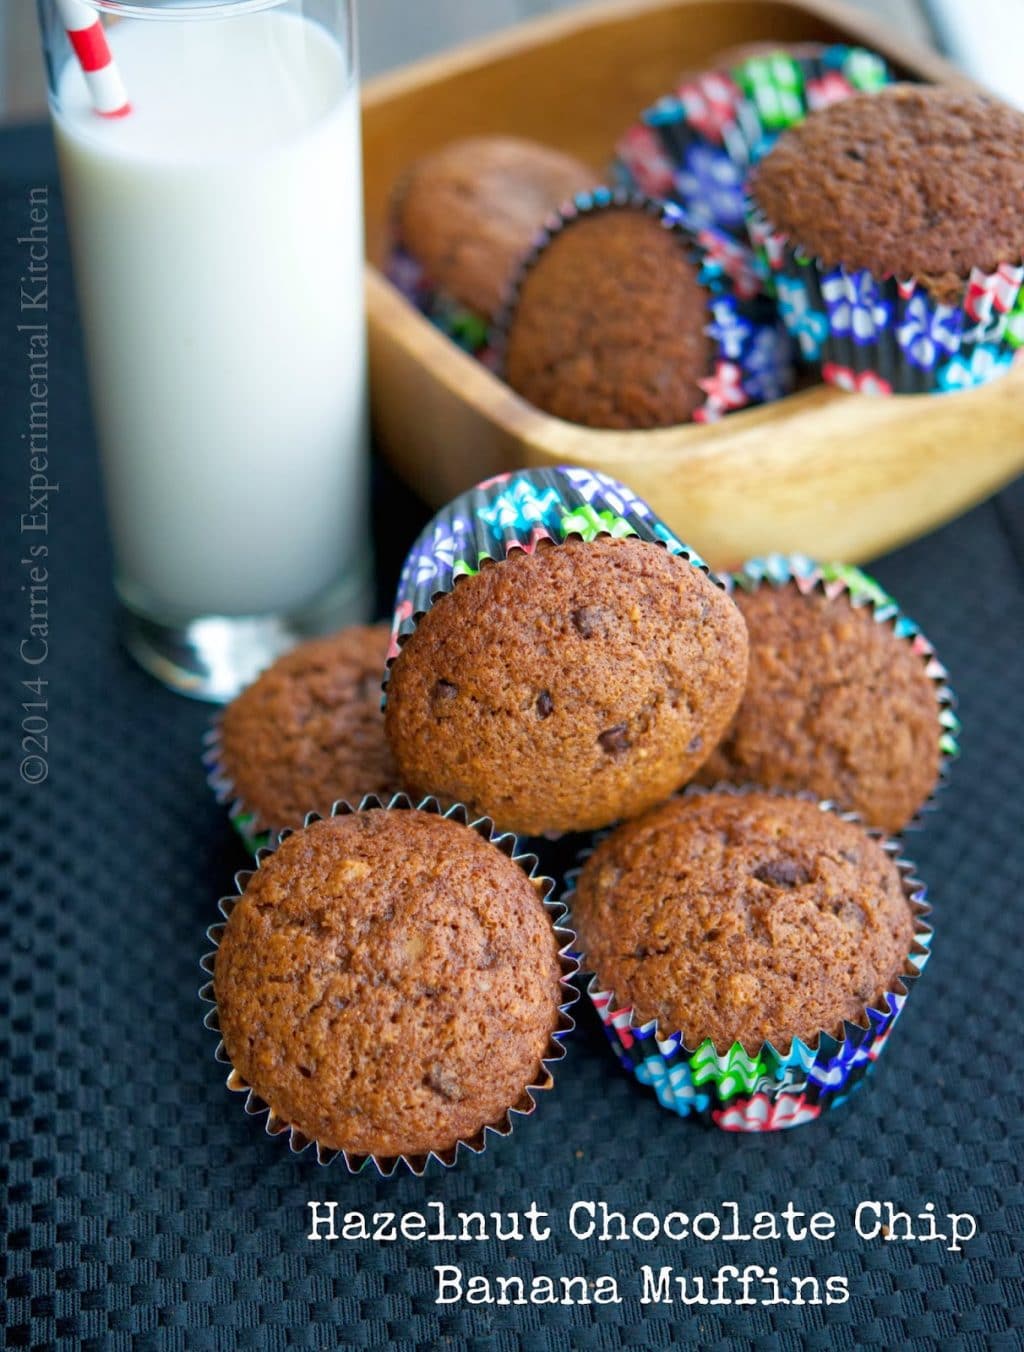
217,242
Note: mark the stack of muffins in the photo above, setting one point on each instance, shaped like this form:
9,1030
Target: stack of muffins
392,981
785,213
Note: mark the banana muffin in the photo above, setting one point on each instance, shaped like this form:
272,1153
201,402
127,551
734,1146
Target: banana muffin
912,181
608,325
309,730
836,703
568,687
745,918
389,983
468,212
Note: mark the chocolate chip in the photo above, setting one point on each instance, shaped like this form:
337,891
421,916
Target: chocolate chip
695,744
443,1083
445,690
614,740
305,1072
545,705
782,873
586,620
854,154
711,935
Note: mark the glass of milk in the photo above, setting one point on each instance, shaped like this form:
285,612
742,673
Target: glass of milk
217,241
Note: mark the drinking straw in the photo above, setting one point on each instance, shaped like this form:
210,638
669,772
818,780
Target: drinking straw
85,32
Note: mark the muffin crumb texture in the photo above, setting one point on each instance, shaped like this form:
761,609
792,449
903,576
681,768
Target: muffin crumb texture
744,918
608,329
567,688
389,983
469,211
922,181
835,704
309,730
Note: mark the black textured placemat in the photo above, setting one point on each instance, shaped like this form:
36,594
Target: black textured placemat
144,1210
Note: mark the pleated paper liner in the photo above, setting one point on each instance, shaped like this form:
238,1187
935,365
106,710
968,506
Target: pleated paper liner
517,512
753,357
456,321
254,835
276,1125
886,335
837,579
772,1089
696,146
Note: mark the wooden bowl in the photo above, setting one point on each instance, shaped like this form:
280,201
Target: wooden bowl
823,472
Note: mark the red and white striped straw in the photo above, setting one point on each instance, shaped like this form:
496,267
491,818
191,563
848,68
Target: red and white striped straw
85,31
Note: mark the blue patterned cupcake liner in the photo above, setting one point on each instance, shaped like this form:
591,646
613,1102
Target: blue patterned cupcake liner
883,335
466,329
838,579
753,357
697,145
517,512
772,1089
508,844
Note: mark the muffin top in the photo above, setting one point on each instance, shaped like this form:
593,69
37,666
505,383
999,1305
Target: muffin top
835,703
743,918
563,689
608,326
309,730
388,982
469,211
912,181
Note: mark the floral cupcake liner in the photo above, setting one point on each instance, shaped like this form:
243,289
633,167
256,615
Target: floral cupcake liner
254,835
883,335
697,145
514,512
276,1125
753,359
463,326
837,579
771,1090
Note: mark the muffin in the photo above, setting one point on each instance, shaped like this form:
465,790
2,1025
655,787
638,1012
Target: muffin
389,983
907,203
696,145
836,703
467,213
746,918
619,319
308,731
564,688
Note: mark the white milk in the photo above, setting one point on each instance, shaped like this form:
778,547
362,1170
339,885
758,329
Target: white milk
217,241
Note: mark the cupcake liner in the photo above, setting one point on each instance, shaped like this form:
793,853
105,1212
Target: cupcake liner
835,579
753,359
771,1090
516,512
697,145
243,818
456,321
386,1165
883,335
